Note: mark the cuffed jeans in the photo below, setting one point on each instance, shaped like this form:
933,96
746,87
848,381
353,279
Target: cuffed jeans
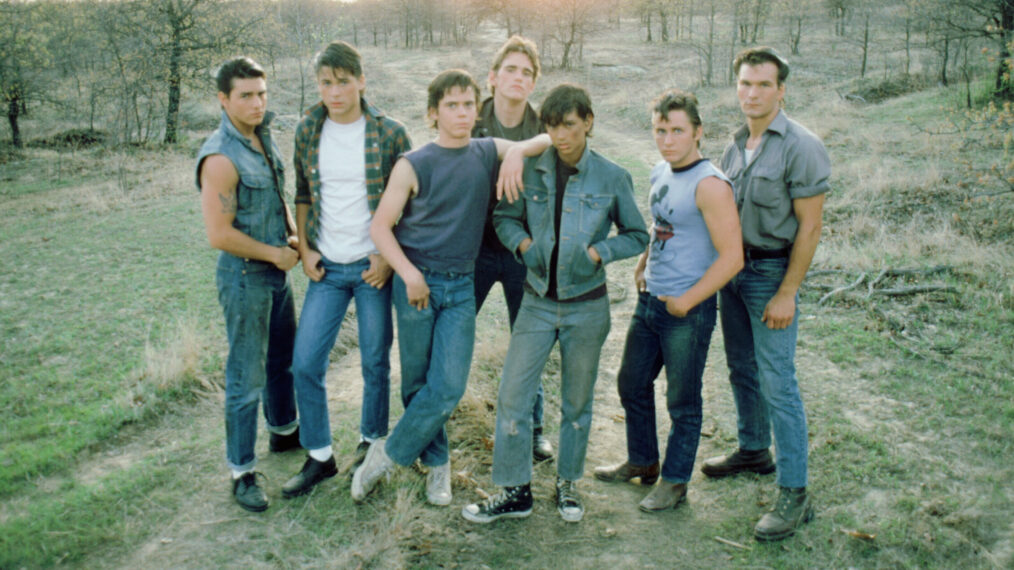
260,323
581,328
323,312
501,265
435,346
656,338
762,370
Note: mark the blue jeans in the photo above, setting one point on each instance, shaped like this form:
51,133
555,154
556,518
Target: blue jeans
260,323
323,312
762,370
435,346
657,339
581,328
500,265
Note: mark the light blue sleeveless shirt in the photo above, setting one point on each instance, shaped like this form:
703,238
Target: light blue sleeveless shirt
681,249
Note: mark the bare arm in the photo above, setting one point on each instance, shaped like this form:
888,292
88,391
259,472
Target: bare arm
781,309
400,187
512,168
718,207
218,204
642,263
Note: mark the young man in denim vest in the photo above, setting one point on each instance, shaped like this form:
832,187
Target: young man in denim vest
779,172
345,149
428,226
507,114
240,176
560,229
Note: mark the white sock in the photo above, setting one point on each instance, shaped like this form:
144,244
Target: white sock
368,440
238,474
289,431
322,454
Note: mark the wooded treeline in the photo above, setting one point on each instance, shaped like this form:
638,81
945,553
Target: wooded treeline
123,66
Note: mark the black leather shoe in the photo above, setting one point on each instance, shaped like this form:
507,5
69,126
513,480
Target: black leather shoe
541,448
248,494
741,460
313,472
281,443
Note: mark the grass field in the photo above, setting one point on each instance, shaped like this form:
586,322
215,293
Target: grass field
112,349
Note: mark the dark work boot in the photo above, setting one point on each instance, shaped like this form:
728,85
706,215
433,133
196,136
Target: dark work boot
791,510
741,460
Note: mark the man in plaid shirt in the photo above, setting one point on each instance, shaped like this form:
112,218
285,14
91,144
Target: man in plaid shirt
345,149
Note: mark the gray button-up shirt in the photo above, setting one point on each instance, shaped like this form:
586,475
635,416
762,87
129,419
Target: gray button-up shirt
790,162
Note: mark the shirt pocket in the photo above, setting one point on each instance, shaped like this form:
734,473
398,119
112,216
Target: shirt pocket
768,187
536,208
595,210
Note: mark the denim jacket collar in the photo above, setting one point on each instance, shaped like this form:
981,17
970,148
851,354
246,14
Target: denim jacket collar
546,162
230,129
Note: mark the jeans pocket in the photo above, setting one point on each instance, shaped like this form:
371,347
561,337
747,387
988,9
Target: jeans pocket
773,269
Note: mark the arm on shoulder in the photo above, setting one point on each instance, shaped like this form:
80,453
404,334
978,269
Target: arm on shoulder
510,181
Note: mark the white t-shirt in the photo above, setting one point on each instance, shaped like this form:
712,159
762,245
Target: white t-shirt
344,234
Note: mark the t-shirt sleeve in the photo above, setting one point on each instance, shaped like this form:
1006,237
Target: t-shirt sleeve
808,168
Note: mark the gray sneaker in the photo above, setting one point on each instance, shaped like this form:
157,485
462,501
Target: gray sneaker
791,510
568,501
438,485
376,465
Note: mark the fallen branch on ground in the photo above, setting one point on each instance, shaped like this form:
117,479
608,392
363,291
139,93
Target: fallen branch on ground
900,291
731,543
834,292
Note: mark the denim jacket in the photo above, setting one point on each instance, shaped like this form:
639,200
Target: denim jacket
599,195
260,212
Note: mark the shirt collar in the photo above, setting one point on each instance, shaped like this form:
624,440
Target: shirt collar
779,125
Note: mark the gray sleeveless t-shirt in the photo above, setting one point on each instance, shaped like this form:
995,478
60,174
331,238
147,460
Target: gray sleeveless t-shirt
441,226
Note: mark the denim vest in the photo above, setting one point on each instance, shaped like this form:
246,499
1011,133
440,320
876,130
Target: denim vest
599,196
260,212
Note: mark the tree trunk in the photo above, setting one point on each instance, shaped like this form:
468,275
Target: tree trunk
13,110
908,46
172,113
1004,72
943,64
795,35
866,46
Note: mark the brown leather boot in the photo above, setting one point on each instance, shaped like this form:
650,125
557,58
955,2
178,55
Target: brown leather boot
663,496
741,460
625,472
791,510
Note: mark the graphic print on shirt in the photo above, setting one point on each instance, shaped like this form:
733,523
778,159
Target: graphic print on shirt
662,230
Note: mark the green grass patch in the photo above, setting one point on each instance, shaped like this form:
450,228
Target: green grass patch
98,286
62,527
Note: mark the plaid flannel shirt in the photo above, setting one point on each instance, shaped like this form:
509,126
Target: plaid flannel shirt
386,141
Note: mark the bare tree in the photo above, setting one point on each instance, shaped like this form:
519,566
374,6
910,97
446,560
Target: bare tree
992,20
23,58
569,23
